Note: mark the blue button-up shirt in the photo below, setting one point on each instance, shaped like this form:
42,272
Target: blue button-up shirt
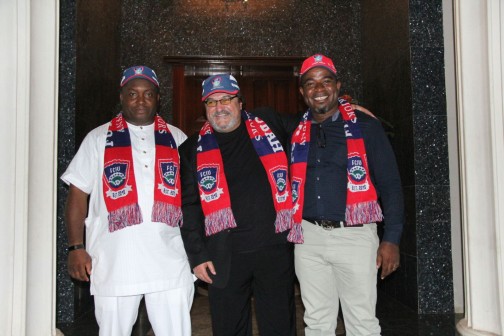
326,176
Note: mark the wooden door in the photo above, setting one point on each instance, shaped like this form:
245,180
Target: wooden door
263,82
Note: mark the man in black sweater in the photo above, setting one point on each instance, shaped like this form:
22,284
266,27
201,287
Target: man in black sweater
341,165
237,211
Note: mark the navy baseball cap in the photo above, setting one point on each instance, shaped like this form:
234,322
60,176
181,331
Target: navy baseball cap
219,83
139,71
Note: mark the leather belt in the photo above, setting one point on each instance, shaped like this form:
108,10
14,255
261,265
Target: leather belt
329,224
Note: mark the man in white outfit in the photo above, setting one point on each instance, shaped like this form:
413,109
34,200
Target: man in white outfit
130,169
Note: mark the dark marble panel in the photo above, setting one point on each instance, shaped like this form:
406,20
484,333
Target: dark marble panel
386,72
426,23
409,236
402,285
432,204
438,324
435,285
431,150
434,239
98,72
66,150
397,319
407,288
428,81
403,144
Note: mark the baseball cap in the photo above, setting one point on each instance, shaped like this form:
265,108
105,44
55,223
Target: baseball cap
317,60
219,83
139,71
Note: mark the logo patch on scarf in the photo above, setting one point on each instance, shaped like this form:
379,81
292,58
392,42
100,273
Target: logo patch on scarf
208,180
356,174
279,175
116,177
168,170
295,184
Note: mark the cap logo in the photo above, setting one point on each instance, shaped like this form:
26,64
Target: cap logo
143,72
317,60
216,82
219,83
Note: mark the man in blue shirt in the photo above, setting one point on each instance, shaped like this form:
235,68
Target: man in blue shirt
342,165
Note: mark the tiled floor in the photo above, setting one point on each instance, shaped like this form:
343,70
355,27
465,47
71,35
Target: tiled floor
395,320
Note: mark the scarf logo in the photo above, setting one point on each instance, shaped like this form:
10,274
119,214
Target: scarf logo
168,170
279,175
296,183
208,181
357,180
116,178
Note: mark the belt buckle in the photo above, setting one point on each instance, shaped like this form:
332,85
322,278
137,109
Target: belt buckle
329,225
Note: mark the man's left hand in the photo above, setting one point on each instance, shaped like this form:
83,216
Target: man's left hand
387,258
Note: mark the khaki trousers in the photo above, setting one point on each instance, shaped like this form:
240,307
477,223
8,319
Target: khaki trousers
338,265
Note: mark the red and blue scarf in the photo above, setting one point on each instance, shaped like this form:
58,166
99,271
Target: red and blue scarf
362,202
212,184
119,185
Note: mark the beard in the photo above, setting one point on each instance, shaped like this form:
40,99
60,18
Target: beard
321,110
230,126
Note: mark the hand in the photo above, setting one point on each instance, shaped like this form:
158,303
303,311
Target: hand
363,109
79,264
201,271
387,258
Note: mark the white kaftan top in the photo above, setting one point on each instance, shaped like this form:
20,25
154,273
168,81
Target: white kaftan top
138,259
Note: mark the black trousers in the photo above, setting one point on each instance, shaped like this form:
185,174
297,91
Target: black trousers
267,276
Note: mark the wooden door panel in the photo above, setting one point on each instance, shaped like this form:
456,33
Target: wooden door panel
263,81
194,110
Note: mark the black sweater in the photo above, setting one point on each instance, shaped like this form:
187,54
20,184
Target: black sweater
249,189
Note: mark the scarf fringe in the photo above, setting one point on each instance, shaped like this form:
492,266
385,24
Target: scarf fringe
296,234
219,220
124,217
363,213
283,220
167,213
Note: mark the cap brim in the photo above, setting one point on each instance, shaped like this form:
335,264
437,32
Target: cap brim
218,91
317,66
139,76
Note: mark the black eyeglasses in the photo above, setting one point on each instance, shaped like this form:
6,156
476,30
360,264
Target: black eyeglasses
321,137
223,101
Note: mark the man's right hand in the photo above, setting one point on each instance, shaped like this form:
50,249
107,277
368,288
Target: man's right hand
201,271
79,264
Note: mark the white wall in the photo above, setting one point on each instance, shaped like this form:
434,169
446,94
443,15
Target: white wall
479,72
28,92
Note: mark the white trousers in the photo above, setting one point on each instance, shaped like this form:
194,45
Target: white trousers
168,311
338,265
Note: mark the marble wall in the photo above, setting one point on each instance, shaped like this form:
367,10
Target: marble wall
404,81
432,184
151,30
66,150
389,56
